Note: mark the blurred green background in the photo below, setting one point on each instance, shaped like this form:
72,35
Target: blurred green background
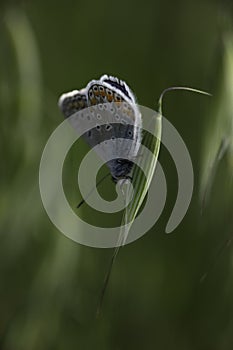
156,298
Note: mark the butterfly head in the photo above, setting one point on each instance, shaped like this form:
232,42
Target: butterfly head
120,168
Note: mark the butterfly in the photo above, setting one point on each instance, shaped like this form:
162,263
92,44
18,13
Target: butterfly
110,101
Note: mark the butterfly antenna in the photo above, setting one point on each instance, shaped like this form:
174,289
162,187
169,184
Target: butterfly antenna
91,191
184,88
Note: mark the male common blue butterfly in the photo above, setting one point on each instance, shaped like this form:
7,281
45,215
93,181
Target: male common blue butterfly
111,101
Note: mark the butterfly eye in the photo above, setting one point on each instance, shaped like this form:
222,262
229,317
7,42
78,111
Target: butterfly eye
113,138
91,94
98,127
99,116
101,88
130,133
95,88
118,98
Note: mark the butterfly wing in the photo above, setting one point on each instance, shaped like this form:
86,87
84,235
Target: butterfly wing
107,109
72,102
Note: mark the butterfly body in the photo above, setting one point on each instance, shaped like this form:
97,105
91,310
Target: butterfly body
110,106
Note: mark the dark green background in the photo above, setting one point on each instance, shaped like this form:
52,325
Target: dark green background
49,285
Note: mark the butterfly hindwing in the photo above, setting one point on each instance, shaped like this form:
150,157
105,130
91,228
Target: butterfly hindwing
106,108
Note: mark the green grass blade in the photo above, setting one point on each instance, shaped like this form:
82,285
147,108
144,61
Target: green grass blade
218,137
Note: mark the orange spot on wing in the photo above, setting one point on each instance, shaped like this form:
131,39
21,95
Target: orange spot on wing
96,93
93,101
109,97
